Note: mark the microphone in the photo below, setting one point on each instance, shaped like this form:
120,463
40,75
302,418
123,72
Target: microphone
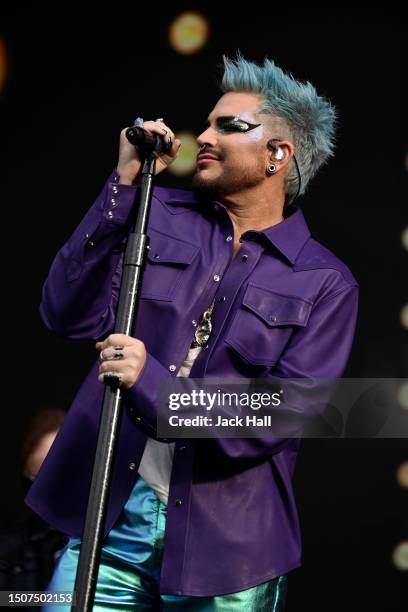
145,141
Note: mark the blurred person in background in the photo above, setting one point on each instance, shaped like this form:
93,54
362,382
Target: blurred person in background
28,551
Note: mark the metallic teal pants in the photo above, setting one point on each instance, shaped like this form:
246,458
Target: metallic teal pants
129,572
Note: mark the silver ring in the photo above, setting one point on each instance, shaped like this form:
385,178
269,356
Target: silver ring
118,354
139,122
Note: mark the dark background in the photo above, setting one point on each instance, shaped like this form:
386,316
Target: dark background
72,85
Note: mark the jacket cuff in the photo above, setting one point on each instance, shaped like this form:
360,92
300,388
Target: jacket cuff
118,203
141,398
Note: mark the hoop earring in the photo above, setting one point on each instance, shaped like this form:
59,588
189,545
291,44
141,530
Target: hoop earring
271,168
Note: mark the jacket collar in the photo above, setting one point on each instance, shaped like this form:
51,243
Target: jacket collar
288,236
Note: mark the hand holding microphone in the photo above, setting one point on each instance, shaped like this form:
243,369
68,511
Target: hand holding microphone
155,134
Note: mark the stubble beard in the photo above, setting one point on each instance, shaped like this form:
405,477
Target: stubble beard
227,184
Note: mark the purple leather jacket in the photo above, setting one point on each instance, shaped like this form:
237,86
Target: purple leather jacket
285,307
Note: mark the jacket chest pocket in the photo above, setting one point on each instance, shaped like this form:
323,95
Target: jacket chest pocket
264,323
167,260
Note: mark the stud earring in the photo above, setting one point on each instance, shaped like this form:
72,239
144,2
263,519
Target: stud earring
271,168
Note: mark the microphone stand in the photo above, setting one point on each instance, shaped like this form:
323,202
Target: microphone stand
133,267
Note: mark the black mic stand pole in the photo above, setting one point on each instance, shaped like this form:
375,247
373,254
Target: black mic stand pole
133,266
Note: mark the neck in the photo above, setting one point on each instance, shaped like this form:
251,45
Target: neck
253,211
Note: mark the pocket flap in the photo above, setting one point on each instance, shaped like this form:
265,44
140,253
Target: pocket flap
275,308
167,249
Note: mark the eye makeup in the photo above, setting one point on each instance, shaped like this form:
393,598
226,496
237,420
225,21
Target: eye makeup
233,123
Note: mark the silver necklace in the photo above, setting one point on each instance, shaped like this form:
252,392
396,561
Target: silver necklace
203,330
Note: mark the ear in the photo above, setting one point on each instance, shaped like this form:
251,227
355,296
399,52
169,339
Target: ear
279,152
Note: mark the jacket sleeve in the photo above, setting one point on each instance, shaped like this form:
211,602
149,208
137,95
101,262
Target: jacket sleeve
317,352
80,294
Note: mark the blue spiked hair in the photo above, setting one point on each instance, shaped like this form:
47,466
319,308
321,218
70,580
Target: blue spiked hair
310,118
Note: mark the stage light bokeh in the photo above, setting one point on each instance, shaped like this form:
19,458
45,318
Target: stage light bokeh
404,316
404,238
400,556
189,33
402,395
185,163
402,475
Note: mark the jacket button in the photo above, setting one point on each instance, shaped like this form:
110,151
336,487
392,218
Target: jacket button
177,502
228,238
132,466
183,449
273,318
115,189
244,258
222,299
194,323
172,367
216,278
109,214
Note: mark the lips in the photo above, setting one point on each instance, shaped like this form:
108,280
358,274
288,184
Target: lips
205,157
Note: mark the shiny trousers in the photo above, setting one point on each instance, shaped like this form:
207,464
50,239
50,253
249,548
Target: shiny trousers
129,571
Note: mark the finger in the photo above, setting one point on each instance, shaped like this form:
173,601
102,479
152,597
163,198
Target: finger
171,153
116,340
101,346
162,126
158,127
166,134
174,147
168,137
112,354
105,366
169,134
114,366
111,378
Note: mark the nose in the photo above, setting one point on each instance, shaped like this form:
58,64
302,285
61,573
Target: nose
207,138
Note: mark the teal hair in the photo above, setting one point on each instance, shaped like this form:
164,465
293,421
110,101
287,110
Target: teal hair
310,118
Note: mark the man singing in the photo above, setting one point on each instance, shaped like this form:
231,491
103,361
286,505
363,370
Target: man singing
234,286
